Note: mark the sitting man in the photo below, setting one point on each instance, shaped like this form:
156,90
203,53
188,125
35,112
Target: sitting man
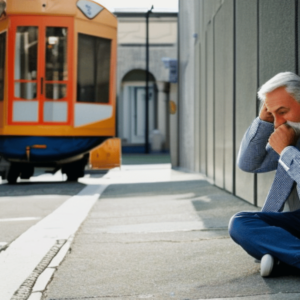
271,143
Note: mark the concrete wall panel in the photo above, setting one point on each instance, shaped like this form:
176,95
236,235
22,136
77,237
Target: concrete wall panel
228,7
203,108
197,89
219,72
276,54
210,100
210,9
246,85
202,115
276,42
186,94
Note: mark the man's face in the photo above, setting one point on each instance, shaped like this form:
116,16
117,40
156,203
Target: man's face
283,107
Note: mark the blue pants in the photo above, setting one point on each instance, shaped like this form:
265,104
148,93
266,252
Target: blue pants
275,233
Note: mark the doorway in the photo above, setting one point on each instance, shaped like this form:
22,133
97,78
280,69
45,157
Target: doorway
132,114
138,113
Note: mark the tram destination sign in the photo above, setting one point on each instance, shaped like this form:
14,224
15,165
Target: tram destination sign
89,9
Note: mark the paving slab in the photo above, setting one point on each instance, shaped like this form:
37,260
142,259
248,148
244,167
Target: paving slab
163,240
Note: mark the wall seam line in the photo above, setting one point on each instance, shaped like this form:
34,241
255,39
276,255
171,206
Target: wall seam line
234,101
257,84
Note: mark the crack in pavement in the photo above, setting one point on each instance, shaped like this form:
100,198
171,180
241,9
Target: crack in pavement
94,297
166,241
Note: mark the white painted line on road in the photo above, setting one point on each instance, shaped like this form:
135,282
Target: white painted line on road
18,219
26,252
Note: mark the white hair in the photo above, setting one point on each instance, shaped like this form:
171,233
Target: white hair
289,80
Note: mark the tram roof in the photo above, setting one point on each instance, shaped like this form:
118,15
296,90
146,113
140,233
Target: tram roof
58,8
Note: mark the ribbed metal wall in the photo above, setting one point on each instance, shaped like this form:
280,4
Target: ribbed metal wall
240,44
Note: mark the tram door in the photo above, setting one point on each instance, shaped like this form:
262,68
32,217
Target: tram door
40,60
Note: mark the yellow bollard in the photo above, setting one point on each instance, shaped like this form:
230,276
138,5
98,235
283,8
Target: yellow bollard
107,155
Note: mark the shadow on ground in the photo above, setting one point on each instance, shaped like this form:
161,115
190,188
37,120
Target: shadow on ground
146,159
40,188
196,187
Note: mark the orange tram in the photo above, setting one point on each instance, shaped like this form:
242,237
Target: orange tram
57,83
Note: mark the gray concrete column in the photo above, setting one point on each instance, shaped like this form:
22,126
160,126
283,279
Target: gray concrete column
162,112
173,131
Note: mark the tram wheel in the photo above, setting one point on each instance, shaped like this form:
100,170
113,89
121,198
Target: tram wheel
27,171
75,170
13,173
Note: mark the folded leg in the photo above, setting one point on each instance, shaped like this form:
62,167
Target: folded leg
260,233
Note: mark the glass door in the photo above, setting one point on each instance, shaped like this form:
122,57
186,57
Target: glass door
40,86
138,111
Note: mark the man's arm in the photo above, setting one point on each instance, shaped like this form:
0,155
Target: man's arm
255,154
290,160
283,141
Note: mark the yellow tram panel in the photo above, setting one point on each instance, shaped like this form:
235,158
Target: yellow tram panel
38,7
106,128
57,8
104,25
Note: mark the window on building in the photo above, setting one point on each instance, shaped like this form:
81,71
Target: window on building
93,69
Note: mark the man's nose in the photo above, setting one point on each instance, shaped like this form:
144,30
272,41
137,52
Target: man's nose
279,121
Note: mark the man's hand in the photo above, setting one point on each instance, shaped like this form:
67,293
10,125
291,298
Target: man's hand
282,137
265,115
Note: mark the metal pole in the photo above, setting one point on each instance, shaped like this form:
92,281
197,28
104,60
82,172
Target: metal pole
147,150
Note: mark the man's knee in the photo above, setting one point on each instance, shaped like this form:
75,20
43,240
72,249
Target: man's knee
237,226
233,226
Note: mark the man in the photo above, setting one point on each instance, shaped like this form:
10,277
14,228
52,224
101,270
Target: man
271,143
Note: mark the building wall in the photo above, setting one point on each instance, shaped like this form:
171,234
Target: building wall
131,45
162,30
132,56
186,78
240,44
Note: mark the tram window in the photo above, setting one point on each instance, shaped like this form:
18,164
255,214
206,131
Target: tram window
2,63
93,69
56,91
25,90
56,53
26,53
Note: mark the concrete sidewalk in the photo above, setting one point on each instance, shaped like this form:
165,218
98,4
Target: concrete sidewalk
164,238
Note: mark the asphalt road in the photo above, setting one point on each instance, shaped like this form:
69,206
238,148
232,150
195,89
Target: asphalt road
24,204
